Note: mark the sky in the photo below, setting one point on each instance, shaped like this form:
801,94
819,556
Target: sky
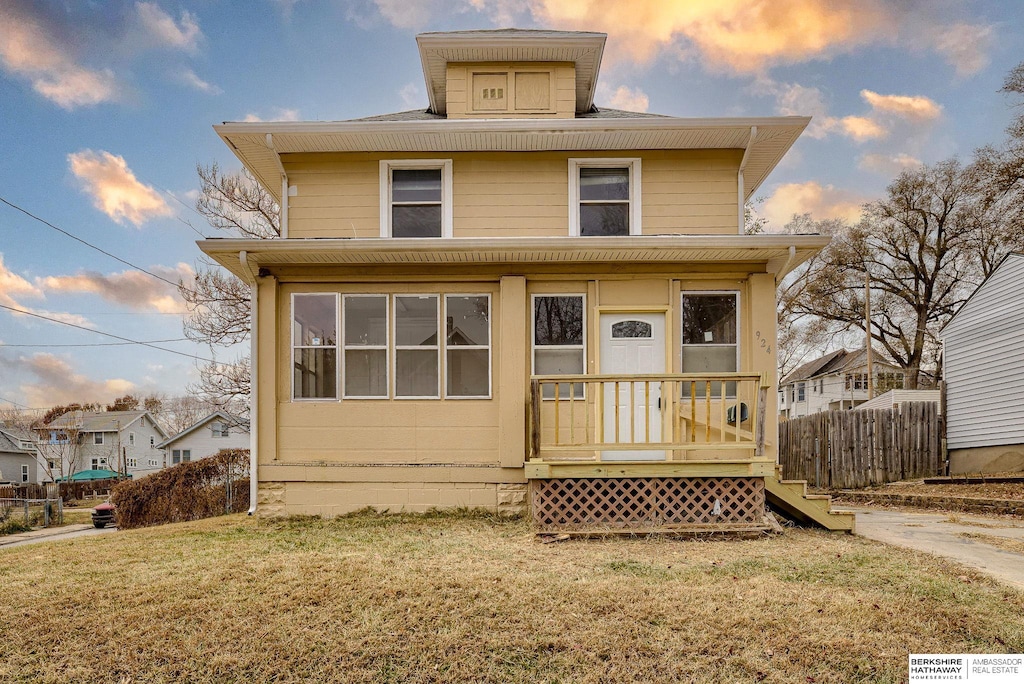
106,108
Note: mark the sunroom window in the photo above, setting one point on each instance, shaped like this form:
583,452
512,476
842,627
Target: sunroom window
710,336
314,346
366,346
468,342
558,340
416,346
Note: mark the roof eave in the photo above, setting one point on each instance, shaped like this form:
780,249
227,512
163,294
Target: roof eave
772,250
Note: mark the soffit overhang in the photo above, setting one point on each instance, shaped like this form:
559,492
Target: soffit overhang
261,145
583,49
779,253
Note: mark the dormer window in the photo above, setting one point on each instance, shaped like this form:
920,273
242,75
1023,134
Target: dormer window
604,197
416,198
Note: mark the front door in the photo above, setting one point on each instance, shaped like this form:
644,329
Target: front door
632,343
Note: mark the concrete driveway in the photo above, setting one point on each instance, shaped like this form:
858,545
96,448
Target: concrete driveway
52,534
955,536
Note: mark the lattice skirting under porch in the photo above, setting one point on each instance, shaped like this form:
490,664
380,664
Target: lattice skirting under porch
639,504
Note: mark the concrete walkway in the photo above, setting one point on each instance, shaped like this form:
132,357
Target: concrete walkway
52,534
936,533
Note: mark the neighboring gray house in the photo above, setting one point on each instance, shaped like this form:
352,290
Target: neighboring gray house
217,431
983,363
835,381
122,441
18,463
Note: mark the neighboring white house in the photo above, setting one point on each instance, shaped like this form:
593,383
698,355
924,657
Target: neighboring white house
18,463
217,431
983,362
835,381
894,398
122,441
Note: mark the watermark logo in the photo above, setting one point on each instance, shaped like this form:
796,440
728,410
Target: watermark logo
978,669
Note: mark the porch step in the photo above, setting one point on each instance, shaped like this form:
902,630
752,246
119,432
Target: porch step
791,498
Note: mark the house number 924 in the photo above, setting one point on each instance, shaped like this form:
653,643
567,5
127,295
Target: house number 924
763,342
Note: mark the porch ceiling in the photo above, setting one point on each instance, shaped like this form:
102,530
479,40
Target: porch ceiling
779,253
259,145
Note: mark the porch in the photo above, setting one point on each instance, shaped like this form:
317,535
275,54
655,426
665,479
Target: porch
657,452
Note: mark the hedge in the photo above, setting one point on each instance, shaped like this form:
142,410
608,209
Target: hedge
189,491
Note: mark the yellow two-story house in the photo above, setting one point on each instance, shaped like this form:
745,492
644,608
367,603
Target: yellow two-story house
517,299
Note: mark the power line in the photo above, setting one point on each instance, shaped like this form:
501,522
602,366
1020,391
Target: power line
106,334
87,244
97,344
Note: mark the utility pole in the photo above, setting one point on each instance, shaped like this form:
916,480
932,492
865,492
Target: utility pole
867,330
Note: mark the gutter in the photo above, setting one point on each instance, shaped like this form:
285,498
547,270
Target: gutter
254,461
284,185
740,199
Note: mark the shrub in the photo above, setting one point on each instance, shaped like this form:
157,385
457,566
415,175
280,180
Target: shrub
188,491
12,526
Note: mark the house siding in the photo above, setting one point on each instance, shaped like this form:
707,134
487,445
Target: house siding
520,194
202,444
332,456
983,358
11,466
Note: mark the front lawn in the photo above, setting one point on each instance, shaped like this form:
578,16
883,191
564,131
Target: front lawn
466,597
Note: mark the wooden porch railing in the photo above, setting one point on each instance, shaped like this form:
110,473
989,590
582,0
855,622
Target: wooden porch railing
619,417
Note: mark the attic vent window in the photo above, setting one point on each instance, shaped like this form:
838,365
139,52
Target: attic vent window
494,94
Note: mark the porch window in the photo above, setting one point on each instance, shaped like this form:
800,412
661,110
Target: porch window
558,340
416,347
604,197
366,346
710,334
416,198
315,346
468,344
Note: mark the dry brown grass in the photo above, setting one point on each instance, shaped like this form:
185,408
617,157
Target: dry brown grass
1013,491
470,598
1004,543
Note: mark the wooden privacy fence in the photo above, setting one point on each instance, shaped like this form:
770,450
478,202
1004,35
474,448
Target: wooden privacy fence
853,449
64,490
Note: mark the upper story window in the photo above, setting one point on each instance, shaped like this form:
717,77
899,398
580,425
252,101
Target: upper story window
604,197
97,438
416,198
801,391
131,439
220,429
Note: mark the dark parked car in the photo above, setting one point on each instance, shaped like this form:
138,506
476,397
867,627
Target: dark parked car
103,515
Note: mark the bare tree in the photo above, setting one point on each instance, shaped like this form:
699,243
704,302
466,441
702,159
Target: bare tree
60,450
803,335
218,302
925,247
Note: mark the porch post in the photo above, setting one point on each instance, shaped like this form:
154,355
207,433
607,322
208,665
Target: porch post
512,374
761,340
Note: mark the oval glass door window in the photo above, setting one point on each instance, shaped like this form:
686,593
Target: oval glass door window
631,329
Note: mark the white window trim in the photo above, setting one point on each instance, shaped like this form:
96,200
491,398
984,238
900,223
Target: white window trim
387,165
635,204
131,439
556,347
395,348
336,347
386,346
739,324
489,346
24,473
97,438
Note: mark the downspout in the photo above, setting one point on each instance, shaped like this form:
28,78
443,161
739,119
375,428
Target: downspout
254,407
284,185
740,198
